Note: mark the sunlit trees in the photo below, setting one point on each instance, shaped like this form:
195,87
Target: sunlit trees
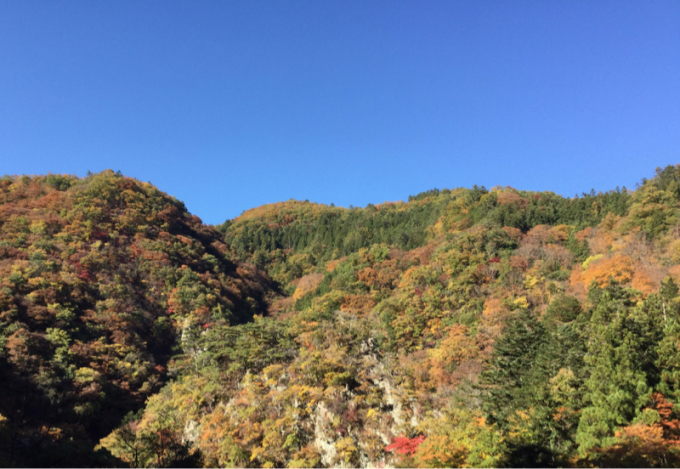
464,328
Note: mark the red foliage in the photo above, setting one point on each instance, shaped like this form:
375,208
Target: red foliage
403,445
99,234
494,260
82,273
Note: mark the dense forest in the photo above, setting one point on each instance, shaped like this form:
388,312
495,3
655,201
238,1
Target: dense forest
463,328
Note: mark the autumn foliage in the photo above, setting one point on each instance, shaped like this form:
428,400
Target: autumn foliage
463,328
403,445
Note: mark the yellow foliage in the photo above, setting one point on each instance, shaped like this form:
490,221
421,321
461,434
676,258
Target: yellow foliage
87,375
521,302
531,281
438,228
456,347
559,233
609,221
520,425
576,282
407,277
563,386
347,449
440,451
587,262
306,457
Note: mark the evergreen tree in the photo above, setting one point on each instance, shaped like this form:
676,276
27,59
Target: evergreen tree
619,365
510,366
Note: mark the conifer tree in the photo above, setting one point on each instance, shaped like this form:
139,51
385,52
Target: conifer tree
618,385
510,367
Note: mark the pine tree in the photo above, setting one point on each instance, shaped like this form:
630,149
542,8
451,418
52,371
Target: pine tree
619,367
510,367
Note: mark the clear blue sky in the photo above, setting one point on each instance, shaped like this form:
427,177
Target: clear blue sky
229,105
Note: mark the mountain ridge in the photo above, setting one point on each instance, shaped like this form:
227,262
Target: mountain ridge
464,327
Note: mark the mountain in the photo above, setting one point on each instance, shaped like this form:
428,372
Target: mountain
102,280
465,327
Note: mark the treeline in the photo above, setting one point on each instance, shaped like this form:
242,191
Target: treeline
331,232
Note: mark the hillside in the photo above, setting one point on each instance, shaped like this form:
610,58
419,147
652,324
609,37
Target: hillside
102,280
465,327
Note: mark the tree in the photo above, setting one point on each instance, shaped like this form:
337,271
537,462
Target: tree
510,367
620,364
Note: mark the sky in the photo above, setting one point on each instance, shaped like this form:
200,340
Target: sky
228,105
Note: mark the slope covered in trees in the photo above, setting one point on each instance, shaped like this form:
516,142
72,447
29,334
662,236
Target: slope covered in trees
465,327
101,280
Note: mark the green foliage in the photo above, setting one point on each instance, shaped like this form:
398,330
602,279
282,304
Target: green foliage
621,363
245,348
563,309
511,364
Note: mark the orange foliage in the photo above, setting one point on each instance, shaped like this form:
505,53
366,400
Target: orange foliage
422,254
538,234
548,234
490,324
675,273
644,438
440,451
307,284
492,307
646,278
514,233
600,242
519,263
670,425
577,286
456,347
641,445
367,275
332,265
407,277
559,233
583,234
388,273
509,197
618,267
358,304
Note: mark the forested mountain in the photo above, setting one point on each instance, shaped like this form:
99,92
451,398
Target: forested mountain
101,281
465,327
